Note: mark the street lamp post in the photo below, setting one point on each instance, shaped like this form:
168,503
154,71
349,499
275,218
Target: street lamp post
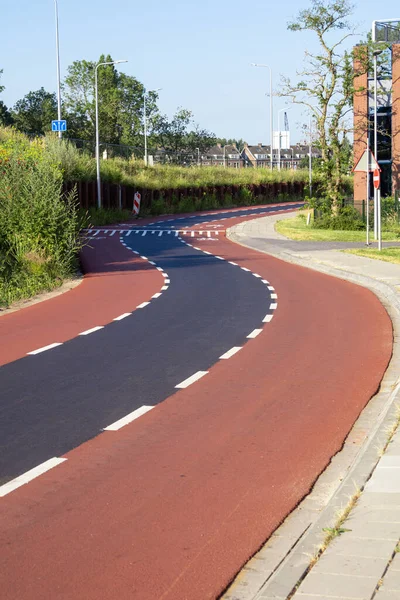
224,157
58,68
145,123
271,110
376,210
114,62
310,158
198,156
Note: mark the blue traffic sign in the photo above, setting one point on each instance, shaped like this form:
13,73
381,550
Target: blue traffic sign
59,125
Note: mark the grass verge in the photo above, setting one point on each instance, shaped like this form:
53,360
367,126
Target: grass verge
297,229
391,255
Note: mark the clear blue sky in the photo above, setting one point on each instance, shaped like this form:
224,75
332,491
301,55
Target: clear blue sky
199,52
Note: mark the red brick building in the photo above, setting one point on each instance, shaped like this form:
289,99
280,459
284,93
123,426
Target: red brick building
388,125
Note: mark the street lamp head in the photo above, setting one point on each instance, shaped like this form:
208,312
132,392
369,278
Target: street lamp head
116,62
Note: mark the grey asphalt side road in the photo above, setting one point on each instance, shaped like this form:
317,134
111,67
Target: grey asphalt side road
362,562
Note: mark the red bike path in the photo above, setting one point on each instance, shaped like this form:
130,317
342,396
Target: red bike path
171,506
115,282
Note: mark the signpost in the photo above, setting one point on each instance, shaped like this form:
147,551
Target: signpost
59,125
366,164
377,185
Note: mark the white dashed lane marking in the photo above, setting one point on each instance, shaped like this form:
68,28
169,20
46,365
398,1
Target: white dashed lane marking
30,475
230,352
184,384
122,317
143,304
88,331
128,419
44,348
254,333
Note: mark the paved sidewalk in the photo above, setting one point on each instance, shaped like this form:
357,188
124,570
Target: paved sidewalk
357,500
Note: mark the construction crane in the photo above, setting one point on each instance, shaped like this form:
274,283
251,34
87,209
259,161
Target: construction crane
286,122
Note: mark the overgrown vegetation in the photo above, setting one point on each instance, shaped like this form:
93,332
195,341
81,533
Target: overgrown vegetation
78,165
39,229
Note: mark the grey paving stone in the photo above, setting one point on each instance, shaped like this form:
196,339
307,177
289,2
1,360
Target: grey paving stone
386,595
385,479
357,547
340,564
360,588
382,499
391,581
299,596
395,564
375,515
373,531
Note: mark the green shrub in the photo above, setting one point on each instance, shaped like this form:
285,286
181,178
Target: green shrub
39,228
186,205
158,207
347,219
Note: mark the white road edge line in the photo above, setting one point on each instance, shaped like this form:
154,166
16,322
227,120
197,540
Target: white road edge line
192,379
230,352
273,306
156,295
49,347
274,296
12,485
267,318
122,317
254,333
143,304
128,419
91,330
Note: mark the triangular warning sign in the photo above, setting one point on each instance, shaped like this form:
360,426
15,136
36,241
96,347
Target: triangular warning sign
362,164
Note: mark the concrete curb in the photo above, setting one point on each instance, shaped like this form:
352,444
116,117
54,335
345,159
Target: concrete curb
283,561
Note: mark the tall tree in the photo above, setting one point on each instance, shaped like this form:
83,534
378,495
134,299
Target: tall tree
175,137
35,111
120,101
326,87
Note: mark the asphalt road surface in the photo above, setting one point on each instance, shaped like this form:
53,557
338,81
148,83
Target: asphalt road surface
275,364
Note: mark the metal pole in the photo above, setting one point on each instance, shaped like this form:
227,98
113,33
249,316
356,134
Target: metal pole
97,140
145,128
379,219
375,142
367,196
310,158
279,139
224,158
271,123
58,68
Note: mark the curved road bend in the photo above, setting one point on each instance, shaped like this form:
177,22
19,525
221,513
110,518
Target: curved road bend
115,282
172,505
